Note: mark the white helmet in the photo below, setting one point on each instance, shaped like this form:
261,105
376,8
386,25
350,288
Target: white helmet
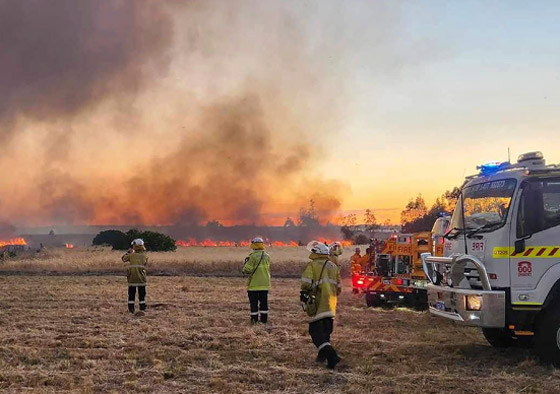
138,242
257,240
318,247
335,248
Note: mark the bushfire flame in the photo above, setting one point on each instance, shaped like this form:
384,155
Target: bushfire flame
13,241
208,242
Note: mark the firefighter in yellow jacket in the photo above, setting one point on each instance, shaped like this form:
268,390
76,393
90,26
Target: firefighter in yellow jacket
257,266
136,261
356,267
320,287
335,251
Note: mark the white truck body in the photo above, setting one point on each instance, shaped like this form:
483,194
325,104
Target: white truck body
501,268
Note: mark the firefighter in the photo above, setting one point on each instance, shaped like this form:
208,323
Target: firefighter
356,267
364,260
320,287
136,261
335,250
257,266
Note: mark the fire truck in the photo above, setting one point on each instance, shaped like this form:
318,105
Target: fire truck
397,276
501,265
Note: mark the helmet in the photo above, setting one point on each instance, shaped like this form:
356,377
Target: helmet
335,249
257,243
318,247
137,242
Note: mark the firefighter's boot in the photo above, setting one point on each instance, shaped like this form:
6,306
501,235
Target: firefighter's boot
332,357
321,356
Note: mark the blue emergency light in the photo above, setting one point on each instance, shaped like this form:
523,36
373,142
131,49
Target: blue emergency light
492,167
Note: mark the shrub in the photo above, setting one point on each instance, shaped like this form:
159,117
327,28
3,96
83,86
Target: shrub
154,241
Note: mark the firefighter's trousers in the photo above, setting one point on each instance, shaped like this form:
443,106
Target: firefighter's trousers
258,301
132,297
320,332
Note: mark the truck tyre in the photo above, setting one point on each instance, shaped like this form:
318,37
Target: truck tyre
372,300
547,336
498,337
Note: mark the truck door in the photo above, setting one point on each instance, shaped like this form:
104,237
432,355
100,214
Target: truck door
538,226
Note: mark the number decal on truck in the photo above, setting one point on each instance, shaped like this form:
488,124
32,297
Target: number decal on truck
477,246
524,268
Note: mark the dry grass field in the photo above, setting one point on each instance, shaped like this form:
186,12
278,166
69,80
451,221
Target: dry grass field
73,334
223,261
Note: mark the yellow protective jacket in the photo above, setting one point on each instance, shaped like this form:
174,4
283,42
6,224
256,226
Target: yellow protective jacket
329,285
355,265
259,273
136,268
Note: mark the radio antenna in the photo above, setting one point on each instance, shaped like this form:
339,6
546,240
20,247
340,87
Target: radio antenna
509,156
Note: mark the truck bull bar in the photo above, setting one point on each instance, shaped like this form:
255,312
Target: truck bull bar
457,300
457,262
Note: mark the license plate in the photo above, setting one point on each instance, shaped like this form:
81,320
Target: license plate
440,305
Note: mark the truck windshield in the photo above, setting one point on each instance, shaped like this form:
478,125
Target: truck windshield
485,206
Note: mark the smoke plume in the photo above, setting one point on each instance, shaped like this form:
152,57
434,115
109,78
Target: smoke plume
145,112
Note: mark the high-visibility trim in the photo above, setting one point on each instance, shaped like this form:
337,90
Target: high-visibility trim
321,315
263,312
323,345
131,302
137,284
136,266
254,313
542,252
306,280
142,302
328,280
527,303
524,333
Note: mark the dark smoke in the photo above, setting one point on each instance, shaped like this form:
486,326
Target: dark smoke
103,87
59,57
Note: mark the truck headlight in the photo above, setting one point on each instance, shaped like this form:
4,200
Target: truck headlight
474,302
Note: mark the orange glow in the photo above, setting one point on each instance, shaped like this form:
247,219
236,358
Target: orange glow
14,241
69,246
208,242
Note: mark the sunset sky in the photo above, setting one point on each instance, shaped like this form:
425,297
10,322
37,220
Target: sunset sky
171,112
477,77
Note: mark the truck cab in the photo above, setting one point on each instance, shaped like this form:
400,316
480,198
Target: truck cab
501,265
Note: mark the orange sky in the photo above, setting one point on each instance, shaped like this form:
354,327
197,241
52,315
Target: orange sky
242,112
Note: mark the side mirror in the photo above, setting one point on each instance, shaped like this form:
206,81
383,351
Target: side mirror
519,246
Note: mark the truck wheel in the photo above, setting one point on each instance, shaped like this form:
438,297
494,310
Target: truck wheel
547,336
498,337
372,300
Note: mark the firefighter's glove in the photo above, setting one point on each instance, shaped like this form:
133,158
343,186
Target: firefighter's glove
304,296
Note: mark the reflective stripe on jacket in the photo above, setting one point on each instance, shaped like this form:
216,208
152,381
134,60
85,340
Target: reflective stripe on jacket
260,279
136,268
329,284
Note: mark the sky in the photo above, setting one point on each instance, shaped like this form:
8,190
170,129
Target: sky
481,77
242,111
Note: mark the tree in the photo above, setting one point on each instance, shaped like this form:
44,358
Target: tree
348,227
415,209
289,223
154,241
416,217
370,222
308,217
115,238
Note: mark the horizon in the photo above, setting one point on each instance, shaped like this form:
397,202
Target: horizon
191,112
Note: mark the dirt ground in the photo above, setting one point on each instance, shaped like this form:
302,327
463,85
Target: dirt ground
73,334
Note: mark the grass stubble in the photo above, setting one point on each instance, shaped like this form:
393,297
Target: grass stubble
72,333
